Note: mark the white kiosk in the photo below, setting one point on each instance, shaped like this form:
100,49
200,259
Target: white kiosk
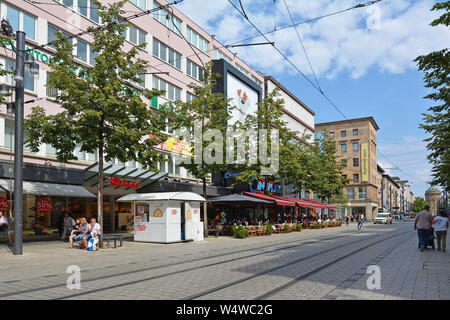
166,217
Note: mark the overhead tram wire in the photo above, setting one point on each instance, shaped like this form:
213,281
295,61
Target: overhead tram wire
84,7
366,4
84,32
292,64
303,47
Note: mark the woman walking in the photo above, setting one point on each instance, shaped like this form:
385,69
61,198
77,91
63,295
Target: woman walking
440,228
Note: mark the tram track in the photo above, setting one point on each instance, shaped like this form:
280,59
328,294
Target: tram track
295,280
298,243
137,281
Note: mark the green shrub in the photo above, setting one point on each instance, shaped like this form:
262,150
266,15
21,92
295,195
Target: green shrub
269,228
319,225
240,232
287,228
299,227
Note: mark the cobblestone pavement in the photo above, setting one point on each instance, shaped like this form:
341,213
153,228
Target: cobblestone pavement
313,264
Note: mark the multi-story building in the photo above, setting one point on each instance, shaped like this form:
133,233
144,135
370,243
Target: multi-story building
356,141
404,194
170,37
391,194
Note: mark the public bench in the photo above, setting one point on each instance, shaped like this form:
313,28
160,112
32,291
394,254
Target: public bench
213,230
113,237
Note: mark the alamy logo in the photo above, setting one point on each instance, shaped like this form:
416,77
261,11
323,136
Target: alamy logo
374,280
74,280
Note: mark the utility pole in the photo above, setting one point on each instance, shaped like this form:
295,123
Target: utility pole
19,76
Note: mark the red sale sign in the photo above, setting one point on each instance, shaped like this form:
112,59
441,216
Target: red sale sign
44,206
4,204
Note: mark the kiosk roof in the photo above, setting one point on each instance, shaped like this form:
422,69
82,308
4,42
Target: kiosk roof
158,196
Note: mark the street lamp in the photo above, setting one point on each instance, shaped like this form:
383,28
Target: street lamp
23,59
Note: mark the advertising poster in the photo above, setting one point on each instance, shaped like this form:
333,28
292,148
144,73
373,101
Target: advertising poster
364,162
244,98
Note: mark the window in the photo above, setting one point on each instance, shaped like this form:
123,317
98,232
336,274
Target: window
362,194
356,162
92,55
343,133
51,34
140,3
332,134
174,59
51,92
350,194
82,50
355,146
93,11
343,147
241,69
21,21
344,162
135,35
167,19
83,7
197,40
355,132
256,80
356,177
50,150
172,91
219,55
9,134
194,70
189,97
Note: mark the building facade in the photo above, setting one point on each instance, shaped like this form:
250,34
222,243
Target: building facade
356,141
391,194
170,41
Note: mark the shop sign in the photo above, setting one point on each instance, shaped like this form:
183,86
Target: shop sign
231,174
117,182
157,213
141,209
44,206
188,214
195,211
174,211
4,204
262,185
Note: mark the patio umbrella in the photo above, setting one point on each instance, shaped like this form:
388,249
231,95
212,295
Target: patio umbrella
236,199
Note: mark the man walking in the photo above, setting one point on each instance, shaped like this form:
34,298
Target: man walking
422,223
360,221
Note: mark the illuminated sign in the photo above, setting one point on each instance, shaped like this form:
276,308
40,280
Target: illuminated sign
117,182
364,162
260,185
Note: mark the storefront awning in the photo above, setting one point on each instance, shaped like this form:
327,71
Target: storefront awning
48,189
163,196
279,202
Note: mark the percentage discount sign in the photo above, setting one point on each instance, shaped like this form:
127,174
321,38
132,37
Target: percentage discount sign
44,206
4,204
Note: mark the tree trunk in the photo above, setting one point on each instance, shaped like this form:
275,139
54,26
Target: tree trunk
100,188
205,210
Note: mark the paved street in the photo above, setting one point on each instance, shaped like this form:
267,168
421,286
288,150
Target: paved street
313,264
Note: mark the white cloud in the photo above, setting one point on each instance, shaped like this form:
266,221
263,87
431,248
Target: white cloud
337,44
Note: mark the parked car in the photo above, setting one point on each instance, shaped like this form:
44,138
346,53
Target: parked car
383,217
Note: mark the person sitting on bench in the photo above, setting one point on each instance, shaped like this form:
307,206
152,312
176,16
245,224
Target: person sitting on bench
84,230
94,229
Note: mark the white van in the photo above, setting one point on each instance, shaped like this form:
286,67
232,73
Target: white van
383,217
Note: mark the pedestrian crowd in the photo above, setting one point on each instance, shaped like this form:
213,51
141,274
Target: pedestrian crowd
85,234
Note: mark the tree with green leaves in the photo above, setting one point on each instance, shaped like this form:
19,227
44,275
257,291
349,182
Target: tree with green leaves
325,172
102,108
206,117
419,204
436,67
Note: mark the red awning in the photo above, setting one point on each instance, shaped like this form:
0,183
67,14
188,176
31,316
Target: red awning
299,202
280,202
329,206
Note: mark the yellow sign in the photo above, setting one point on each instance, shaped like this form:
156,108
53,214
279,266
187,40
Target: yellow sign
364,162
188,214
157,213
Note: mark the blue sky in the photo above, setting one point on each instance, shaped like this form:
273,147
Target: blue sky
363,60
